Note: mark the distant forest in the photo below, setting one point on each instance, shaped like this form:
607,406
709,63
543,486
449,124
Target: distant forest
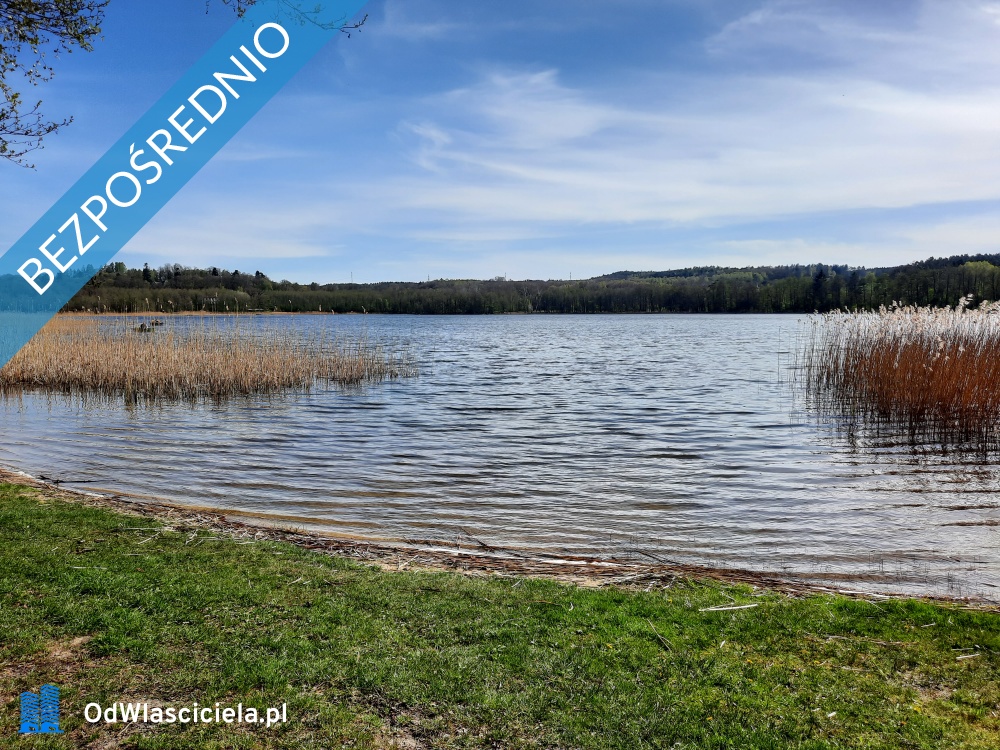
710,289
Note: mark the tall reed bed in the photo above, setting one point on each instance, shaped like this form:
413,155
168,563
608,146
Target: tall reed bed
931,374
211,358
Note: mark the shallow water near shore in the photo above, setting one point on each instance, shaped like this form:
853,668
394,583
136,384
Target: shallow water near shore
659,438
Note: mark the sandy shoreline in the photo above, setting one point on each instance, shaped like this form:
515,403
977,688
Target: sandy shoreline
477,560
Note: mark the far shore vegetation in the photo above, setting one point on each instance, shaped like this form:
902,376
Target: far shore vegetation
772,289
210,358
112,606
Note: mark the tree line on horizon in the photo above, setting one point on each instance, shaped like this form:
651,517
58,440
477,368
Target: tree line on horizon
710,289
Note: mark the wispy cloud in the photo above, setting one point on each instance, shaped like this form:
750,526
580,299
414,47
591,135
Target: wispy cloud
675,147
403,21
540,151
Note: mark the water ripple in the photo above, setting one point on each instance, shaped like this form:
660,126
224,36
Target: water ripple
650,437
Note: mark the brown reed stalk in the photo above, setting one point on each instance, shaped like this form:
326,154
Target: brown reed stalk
208,360
932,374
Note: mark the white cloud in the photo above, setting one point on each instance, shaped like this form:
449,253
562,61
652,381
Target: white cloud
926,43
196,232
970,235
399,22
524,148
544,152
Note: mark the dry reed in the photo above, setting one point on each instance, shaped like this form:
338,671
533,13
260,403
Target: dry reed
929,374
201,360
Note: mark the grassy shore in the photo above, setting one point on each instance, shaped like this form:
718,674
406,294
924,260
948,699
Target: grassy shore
115,607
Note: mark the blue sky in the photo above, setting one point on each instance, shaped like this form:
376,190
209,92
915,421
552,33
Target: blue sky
457,139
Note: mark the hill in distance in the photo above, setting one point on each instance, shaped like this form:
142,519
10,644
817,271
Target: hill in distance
708,289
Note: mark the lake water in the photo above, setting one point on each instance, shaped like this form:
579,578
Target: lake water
643,437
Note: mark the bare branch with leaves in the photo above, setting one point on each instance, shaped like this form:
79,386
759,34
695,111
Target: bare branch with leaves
301,11
32,32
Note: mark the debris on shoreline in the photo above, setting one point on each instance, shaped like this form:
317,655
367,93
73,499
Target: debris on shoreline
476,558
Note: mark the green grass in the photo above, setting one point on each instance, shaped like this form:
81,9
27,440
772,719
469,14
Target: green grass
366,658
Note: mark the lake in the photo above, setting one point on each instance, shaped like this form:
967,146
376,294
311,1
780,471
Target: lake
644,437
